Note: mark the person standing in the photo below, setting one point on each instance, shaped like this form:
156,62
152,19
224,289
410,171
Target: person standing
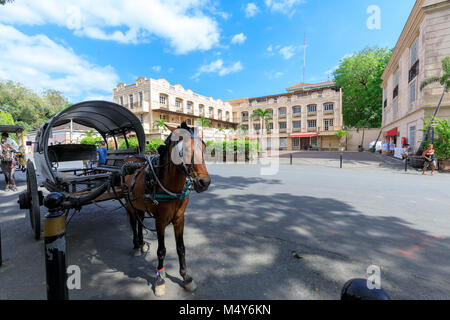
101,151
430,160
9,147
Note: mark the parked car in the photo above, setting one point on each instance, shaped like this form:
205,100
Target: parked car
377,147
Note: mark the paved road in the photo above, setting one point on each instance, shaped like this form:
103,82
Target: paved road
240,236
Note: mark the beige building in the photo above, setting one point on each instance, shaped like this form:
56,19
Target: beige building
151,99
307,116
424,42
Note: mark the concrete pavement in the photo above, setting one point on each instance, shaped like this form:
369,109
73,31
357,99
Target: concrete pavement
240,236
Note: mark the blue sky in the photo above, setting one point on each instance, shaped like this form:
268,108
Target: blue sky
224,49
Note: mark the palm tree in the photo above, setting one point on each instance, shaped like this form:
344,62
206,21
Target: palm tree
340,134
264,116
5,1
90,133
160,124
444,80
203,122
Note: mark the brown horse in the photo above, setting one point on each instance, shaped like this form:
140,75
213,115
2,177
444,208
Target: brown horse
162,190
8,166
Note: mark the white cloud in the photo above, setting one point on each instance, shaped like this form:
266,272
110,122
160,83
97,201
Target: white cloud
182,23
156,68
219,68
251,10
40,63
239,38
273,74
288,52
283,6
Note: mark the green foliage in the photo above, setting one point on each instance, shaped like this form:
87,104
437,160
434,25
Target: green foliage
6,118
264,115
232,147
444,80
203,122
2,2
153,146
442,137
160,123
342,133
359,76
132,143
27,108
91,140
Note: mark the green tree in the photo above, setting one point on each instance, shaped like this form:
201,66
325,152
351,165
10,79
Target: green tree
54,102
203,122
264,116
340,135
6,118
2,2
160,124
444,80
359,76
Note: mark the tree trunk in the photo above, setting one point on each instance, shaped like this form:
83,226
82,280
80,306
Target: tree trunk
427,133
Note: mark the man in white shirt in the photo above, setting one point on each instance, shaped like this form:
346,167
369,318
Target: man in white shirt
8,147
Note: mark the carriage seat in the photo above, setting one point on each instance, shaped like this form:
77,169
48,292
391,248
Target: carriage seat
71,178
116,158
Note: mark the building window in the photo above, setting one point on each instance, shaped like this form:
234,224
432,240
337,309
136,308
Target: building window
269,143
282,125
141,98
211,112
395,92
162,99
189,106
327,124
296,142
312,123
200,108
394,108
121,101
244,116
131,101
178,104
313,141
412,137
282,112
412,92
142,118
413,53
188,121
328,107
257,127
271,125
297,124
283,142
312,108
297,110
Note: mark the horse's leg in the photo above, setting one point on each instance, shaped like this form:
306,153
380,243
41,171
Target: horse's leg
7,179
13,178
160,285
133,223
178,227
142,245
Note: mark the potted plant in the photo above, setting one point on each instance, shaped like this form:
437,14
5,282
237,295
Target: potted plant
340,135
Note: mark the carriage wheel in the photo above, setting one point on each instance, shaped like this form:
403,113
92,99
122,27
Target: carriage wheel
33,194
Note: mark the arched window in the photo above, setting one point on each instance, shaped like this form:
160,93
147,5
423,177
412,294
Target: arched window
312,108
328,106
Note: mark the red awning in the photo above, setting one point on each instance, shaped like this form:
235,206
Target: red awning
391,133
303,135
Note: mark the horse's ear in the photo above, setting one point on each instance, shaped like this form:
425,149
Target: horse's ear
185,126
172,129
161,149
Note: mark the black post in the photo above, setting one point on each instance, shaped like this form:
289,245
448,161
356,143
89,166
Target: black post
341,160
406,164
55,248
291,158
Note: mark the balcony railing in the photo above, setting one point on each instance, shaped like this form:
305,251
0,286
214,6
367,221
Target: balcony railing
414,71
312,113
312,129
282,116
328,111
283,130
330,128
296,129
244,119
296,114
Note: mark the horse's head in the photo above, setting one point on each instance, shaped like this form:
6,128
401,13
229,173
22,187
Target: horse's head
187,151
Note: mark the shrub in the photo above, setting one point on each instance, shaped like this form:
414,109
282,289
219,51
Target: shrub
153,146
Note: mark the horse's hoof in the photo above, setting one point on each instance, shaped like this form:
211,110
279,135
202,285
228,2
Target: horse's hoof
160,290
144,248
136,252
191,286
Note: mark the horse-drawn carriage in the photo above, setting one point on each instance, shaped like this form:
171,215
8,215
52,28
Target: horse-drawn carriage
80,185
158,186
